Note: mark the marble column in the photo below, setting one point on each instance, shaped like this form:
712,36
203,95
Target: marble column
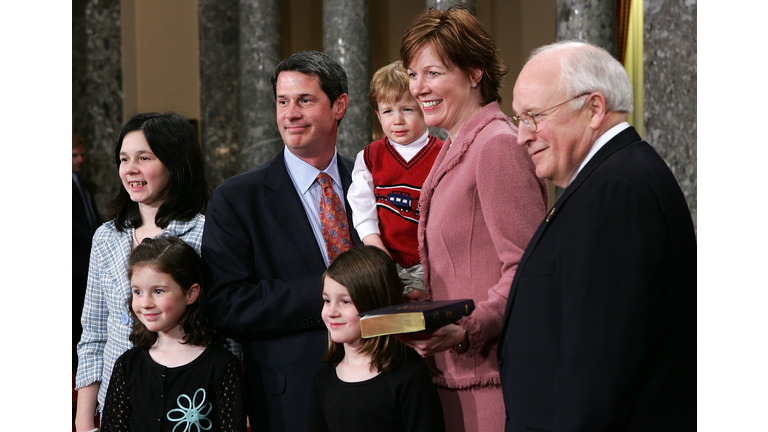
260,52
670,88
346,39
219,36
97,84
593,21
471,5
81,124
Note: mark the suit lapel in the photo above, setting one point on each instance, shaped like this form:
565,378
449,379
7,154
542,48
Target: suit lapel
285,204
624,138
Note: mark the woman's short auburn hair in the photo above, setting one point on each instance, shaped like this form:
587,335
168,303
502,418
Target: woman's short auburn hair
459,41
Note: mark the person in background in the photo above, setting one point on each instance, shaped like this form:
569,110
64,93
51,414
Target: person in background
178,374
85,220
388,174
599,332
480,205
373,384
164,191
267,242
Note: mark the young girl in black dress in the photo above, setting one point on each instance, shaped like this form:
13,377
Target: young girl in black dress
178,375
374,384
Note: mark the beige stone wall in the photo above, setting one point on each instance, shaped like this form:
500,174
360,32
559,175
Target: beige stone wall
160,43
161,67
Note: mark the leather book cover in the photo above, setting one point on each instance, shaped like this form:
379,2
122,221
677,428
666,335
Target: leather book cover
411,317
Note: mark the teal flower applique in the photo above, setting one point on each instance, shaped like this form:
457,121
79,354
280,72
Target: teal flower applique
194,414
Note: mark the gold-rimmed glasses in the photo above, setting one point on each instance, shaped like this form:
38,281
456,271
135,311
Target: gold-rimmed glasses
529,119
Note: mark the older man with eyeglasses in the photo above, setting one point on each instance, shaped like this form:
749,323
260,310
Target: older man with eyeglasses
599,332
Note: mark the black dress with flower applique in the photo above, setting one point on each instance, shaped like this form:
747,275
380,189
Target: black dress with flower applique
146,396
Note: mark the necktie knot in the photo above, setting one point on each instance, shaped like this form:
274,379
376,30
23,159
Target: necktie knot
325,181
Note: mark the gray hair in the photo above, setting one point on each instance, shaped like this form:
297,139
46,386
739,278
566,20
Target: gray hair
586,68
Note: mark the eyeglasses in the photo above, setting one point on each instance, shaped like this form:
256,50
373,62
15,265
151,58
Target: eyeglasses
529,119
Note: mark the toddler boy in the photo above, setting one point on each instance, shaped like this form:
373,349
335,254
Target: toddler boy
389,173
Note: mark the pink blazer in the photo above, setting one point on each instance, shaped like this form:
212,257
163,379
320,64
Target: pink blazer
480,204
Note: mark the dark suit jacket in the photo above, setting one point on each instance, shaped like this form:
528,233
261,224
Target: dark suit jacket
82,234
599,332
263,274
82,231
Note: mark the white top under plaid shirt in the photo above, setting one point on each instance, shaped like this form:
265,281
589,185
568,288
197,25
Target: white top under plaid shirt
106,319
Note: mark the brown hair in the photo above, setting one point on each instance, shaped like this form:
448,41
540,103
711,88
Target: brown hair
173,140
390,84
371,278
176,258
459,41
78,142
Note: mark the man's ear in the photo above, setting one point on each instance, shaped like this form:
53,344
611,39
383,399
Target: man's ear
597,109
340,106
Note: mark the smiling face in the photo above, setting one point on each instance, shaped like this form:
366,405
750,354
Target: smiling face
307,120
143,175
401,121
158,301
443,90
563,137
340,314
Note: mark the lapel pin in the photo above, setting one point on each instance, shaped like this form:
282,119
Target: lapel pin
549,216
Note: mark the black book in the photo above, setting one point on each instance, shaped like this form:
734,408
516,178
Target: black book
412,317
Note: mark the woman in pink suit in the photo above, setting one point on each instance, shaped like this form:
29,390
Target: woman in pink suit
480,204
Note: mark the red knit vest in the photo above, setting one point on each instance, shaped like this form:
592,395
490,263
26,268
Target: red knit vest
397,186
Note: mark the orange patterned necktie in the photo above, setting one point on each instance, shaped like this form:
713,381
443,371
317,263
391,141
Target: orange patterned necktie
333,220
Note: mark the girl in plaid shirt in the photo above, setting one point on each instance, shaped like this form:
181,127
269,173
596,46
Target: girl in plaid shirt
160,165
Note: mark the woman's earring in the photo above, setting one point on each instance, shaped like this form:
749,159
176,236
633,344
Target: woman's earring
474,85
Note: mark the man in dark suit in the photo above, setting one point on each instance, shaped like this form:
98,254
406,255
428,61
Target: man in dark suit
263,248
599,332
85,220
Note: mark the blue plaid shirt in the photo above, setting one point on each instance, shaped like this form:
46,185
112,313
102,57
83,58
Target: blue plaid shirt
106,318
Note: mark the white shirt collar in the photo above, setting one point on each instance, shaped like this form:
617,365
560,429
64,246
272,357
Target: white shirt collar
304,174
407,151
418,142
599,143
